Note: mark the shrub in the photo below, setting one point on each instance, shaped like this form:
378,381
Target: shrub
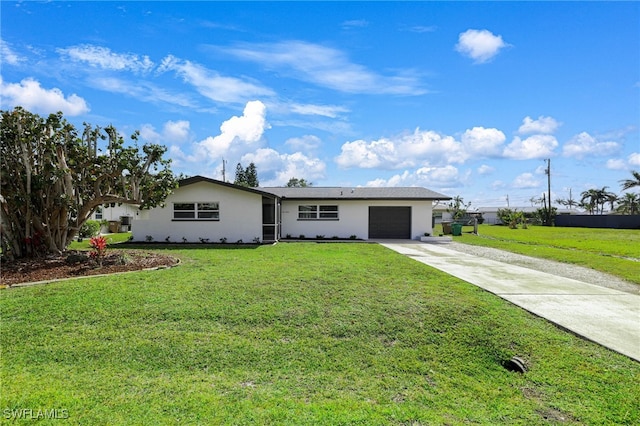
90,228
76,257
99,248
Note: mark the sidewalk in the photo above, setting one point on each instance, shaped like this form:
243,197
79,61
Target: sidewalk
605,316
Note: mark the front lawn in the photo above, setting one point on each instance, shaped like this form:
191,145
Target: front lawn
300,333
615,251
111,239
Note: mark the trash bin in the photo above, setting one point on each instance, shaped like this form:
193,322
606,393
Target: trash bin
113,226
456,229
446,228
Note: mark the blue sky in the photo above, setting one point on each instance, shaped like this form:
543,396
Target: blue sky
463,98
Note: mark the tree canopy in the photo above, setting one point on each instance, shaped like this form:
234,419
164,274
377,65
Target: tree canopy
298,183
52,179
247,177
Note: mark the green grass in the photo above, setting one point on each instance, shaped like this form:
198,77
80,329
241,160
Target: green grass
111,239
615,251
299,333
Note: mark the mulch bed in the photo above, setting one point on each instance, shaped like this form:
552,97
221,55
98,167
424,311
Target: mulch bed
74,264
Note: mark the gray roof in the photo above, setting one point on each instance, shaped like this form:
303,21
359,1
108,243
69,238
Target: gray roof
356,193
197,179
331,193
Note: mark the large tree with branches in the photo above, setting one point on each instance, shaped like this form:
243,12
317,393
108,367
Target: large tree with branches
53,179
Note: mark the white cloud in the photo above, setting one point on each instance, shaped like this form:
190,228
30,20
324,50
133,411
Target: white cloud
482,141
238,135
330,111
498,185
275,169
422,28
31,96
584,145
142,91
304,143
616,164
174,132
355,23
326,67
211,84
485,170
536,146
430,177
541,125
411,150
480,45
148,133
525,181
634,159
104,58
367,155
8,55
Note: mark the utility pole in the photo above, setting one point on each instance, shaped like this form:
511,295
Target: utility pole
507,200
224,178
548,172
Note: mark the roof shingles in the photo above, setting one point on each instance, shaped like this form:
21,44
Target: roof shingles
356,193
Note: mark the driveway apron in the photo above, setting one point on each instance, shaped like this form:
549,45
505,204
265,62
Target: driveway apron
605,316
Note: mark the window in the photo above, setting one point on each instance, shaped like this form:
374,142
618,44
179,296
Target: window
196,211
307,212
328,212
314,212
99,213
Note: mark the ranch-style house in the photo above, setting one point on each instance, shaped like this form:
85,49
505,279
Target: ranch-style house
208,210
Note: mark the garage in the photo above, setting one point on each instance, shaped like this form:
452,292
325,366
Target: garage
389,222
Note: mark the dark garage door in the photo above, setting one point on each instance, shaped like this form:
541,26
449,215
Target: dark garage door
390,222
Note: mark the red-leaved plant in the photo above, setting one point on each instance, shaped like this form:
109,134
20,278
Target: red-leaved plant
99,246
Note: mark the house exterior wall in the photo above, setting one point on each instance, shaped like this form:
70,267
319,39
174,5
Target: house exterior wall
240,216
353,218
114,213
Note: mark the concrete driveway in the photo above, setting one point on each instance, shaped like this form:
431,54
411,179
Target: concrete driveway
603,315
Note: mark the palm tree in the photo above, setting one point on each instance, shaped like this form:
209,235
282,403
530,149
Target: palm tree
599,197
629,203
631,183
569,202
535,200
612,199
589,200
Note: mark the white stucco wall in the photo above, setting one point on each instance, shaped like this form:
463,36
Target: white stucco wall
353,218
114,213
240,216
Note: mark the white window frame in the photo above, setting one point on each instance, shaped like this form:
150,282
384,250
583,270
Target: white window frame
201,211
318,212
